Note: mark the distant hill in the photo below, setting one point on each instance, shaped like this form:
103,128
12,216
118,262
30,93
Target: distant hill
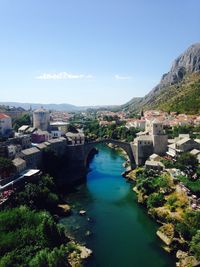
57,107
26,106
7,108
178,90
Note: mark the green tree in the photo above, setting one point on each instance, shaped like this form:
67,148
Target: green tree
195,245
186,159
26,234
46,258
6,167
71,128
155,200
24,120
190,224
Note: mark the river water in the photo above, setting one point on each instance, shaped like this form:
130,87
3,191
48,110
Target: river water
115,226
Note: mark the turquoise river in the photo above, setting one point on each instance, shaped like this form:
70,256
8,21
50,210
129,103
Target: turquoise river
115,226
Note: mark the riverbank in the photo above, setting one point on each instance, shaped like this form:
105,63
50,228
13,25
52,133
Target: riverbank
110,203
168,205
121,153
40,239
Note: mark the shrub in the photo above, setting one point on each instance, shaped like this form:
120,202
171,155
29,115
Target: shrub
195,245
155,200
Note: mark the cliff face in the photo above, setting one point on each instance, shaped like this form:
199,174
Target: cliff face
186,63
185,70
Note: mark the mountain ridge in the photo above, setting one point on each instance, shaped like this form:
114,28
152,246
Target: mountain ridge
185,69
52,106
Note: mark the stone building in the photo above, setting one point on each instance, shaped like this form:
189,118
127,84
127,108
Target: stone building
23,128
20,165
140,124
58,145
159,138
32,156
75,138
142,148
5,125
40,136
182,145
153,142
155,165
41,119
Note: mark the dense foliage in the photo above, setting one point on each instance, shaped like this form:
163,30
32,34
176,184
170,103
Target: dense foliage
150,182
71,128
6,167
116,131
155,200
24,120
30,238
184,96
183,162
187,99
193,131
29,235
37,195
160,195
186,159
189,225
195,244
192,184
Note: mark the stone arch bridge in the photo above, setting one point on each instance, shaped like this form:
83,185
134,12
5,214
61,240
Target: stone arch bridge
88,147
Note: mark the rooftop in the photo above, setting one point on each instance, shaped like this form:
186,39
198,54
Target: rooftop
3,116
154,163
30,151
41,110
183,141
172,146
18,161
154,156
195,152
56,140
41,145
31,172
23,128
144,138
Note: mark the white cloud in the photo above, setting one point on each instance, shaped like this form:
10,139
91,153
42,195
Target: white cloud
119,77
62,76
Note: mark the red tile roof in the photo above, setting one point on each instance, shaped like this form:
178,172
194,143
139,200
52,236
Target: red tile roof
3,116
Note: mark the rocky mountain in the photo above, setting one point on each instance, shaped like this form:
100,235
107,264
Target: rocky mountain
178,90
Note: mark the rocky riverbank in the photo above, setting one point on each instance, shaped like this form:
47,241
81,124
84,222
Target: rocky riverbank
170,207
122,153
78,254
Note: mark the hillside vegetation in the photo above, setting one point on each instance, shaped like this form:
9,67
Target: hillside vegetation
183,97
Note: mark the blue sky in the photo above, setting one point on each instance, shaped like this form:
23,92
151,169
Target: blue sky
90,52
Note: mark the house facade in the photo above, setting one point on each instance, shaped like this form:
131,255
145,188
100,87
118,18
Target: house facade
5,125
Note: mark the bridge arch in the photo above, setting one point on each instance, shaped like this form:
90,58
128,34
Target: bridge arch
88,147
